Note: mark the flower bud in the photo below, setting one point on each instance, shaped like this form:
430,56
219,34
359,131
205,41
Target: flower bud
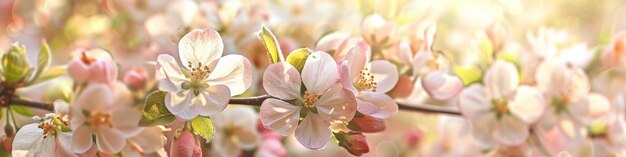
367,124
92,66
271,147
413,137
15,64
136,78
353,142
185,146
615,53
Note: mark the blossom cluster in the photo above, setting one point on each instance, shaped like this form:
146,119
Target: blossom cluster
190,78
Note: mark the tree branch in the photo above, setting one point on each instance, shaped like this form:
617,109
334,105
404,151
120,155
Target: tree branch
28,103
257,101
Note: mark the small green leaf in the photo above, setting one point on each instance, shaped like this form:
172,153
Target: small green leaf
271,45
297,58
203,126
43,60
22,110
468,75
51,73
155,112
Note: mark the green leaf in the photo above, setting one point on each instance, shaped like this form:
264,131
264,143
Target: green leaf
155,112
297,58
468,75
43,60
51,73
271,45
22,110
203,126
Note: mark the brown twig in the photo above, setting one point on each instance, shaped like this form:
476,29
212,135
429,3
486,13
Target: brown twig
28,103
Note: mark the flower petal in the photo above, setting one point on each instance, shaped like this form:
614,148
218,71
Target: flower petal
313,132
419,62
385,75
356,59
501,79
125,119
82,140
377,105
248,138
234,71
337,105
442,86
28,141
344,78
216,97
528,104
282,80
180,104
200,46
110,140
96,97
150,139
279,116
319,72
473,102
511,131
173,75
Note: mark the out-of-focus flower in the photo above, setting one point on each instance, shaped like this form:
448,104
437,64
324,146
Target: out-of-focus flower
105,112
148,141
377,31
369,81
136,78
49,137
235,130
566,89
430,66
185,146
324,102
204,86
95,65
342,43
271,148
414,138
501,110
615,53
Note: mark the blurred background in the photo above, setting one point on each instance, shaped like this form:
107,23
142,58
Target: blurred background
136,31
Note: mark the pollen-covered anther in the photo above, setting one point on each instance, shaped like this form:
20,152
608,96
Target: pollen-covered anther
366,80
48,129
100,119
310,99
86,58
199,71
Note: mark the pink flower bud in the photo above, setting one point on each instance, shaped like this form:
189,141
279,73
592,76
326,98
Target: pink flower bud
136,78
353,142
414,137
271,147
615,53
403,88
185,146
92,66
367,124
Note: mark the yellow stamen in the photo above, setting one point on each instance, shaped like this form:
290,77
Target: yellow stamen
199,72
310,99
100,119
366,81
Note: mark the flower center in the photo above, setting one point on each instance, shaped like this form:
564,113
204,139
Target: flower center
500,107
199,72
48,129
100,119
86,58
366,81
51,126
560,104
310,99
